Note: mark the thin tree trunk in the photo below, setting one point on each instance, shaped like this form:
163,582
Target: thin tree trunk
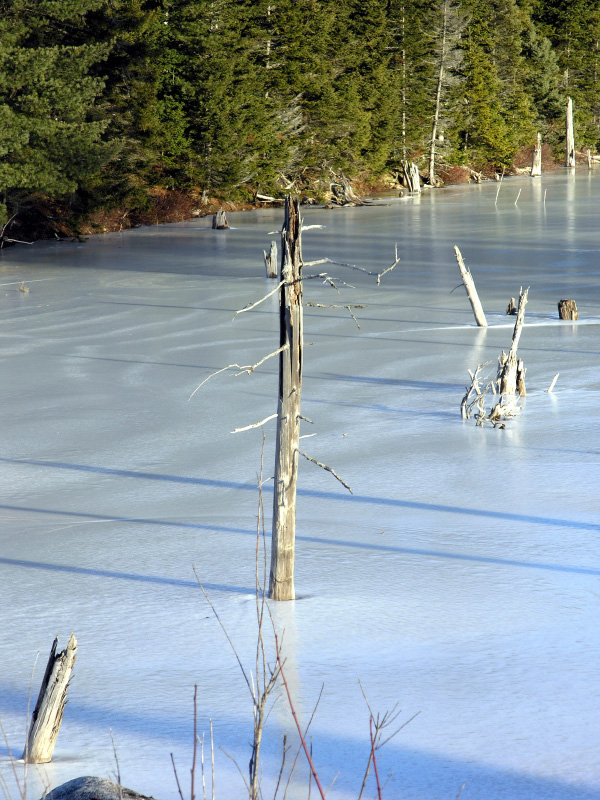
469,283
536,166
438,97
570,142
281,578
50,706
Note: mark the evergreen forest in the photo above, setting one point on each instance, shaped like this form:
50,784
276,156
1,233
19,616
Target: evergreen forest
119,104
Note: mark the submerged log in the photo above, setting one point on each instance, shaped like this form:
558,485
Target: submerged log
281,578
220,222
567,309
271,261
469,283
536,166
50,706
570,138
507,372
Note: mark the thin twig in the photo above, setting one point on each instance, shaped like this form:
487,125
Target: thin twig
243,368
176,777
254,425
325,467
258,302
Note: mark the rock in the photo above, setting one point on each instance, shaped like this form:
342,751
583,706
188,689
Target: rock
90,788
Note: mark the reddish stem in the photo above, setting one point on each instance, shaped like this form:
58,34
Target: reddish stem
374,759
293,710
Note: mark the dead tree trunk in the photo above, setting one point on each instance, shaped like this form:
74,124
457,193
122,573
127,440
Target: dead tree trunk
50,706
220,222
281,578
567,309
536,166
271,261
570,141
469,283
507,373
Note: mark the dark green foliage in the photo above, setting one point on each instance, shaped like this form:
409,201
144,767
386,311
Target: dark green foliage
103,101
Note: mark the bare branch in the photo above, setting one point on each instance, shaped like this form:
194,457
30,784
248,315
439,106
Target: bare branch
325,467
552,385
247,368
389,269
255,425
258,302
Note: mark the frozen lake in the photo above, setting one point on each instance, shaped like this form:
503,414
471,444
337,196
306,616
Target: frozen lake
460,580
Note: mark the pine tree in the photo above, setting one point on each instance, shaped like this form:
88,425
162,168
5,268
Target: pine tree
49,116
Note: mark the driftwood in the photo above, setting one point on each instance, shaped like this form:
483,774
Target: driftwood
271,261
570,139
507,371
342,193
469,283
567,309
281,578
220,222
536,165
48,713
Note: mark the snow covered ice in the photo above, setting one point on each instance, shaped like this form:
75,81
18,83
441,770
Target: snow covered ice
459,580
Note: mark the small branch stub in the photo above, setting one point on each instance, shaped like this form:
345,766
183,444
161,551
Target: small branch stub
567,309
50,706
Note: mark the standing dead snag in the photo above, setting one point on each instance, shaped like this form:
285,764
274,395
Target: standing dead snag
50,706
570,138
536,165
509,374
469,283
281,578
271,261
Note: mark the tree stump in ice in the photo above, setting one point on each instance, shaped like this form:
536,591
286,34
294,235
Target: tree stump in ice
511,308
271,261
570,137
469,283
220,222
567,309
48,713
508,377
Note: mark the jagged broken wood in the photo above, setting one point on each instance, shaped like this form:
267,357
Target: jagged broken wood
511,308
219,221
412,179
271,261
469,284
509,374
48,713
567,309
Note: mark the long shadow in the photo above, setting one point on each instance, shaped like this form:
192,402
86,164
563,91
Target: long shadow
126,576
436,775
315,494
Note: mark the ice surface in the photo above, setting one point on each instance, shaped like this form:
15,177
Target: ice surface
459,580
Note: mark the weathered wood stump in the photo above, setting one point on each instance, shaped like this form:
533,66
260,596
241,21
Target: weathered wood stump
48,713
567,309
511,308
508,369
220,222
271,261
469,283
